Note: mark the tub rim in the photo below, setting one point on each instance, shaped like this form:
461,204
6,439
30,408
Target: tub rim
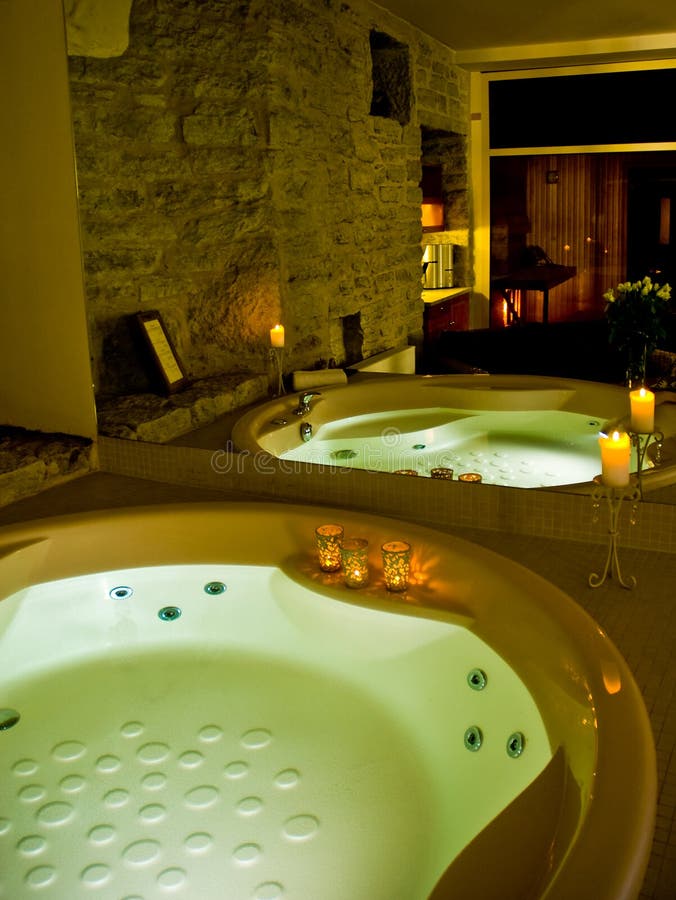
256,423
59,547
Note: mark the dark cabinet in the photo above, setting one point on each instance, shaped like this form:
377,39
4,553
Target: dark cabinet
449,313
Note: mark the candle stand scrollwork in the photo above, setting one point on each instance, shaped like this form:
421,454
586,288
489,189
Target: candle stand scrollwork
614,496
277,356
641,441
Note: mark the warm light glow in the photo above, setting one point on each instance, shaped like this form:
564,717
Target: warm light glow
396,564
433,215
277,336
442,472
642,411
615,455
354,557
665,220
470,478
329,539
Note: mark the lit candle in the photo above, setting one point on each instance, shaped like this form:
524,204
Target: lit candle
396,564
277,336
615,454
328,539
354,557
642,411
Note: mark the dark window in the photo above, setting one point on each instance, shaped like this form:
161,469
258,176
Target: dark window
569,110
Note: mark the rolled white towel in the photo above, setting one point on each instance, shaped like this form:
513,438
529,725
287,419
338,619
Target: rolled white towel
304,380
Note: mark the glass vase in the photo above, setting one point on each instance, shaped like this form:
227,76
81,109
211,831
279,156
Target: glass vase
637,356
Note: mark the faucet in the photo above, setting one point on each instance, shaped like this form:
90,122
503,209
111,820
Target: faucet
304,402
305,431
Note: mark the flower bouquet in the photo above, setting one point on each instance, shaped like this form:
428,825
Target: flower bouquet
637,314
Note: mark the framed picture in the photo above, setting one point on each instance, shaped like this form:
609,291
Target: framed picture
164,356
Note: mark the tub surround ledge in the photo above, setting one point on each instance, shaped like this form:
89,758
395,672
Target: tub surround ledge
156,418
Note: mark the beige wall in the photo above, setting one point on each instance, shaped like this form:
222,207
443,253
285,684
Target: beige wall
45,374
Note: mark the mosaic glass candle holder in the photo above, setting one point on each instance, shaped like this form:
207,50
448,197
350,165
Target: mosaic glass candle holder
329,539
442,472
354,557
470,477
405,472
396,564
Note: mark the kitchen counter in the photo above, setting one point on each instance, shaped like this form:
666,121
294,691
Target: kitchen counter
434,295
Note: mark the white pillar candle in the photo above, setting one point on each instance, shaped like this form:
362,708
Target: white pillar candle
615,456
642,411
277,336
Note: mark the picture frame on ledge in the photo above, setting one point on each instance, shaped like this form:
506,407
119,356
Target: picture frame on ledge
166,363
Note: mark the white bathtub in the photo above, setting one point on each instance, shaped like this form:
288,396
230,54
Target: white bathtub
192,709
514,430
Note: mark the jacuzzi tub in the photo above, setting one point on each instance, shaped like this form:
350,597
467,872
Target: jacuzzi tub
192,709
513,430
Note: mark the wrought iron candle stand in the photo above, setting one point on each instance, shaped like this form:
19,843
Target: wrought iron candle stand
614,496
277,356
641,441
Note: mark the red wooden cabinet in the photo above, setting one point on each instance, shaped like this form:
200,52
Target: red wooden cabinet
446,314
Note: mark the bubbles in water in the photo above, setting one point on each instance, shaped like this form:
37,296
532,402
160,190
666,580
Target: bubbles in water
31,845
55,814
72,784
108,763
68,750
236,769
288,778
25,767
116,798
153,752
131,729
256,739
41,876
96,875
102,834
154,781
211,733
270,890
247,854
153,812
191,759
199,842
171,878
141,853
249,806
202,796
32,792
301,828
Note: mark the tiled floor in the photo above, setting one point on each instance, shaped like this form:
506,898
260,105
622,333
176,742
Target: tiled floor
641,622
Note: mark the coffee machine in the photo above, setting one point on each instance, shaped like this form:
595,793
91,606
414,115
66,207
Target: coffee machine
437,266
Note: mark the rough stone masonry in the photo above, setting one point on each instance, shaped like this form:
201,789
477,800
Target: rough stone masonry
232,174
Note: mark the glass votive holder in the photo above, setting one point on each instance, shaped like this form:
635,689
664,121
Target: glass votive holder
470,477
442,472
405,472
329,539
396,564
354,557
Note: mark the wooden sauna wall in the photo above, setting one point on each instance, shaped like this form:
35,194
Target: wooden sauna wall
577,208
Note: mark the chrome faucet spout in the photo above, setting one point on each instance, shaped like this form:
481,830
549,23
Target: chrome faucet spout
303,407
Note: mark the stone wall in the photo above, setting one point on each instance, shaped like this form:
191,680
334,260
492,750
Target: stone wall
231,175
